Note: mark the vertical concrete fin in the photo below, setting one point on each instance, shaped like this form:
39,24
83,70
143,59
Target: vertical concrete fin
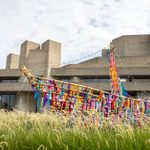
26,47
12,61
53,51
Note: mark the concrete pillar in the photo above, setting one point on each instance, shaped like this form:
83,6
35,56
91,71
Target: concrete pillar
12,61
53,51
25,102
75,79
26,47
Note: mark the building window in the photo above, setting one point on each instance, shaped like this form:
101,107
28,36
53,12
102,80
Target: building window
130,79
9,80
7,101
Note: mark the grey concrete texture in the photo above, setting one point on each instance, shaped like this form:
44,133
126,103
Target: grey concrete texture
132,57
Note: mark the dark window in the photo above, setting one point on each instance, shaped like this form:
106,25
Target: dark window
9,81
7,101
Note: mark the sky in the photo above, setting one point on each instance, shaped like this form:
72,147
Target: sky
82,26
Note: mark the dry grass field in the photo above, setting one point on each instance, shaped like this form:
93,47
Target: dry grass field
29,131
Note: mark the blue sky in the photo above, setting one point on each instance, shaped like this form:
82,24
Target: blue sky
82,26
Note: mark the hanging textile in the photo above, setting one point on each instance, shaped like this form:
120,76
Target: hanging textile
73,97
113,72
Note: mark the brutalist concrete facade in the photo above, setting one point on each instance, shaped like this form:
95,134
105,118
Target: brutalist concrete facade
132,57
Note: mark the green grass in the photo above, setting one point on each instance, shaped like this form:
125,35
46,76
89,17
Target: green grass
19,131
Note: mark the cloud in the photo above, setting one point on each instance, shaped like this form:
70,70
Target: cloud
82,26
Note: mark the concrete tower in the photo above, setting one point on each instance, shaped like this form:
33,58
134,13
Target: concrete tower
40,59
12,61
53,55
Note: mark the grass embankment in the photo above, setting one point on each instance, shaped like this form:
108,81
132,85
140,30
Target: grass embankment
46,131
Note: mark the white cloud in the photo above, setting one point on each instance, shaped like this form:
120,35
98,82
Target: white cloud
80,25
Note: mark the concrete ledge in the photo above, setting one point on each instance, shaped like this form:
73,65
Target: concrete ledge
98,71
129,86
10,73
14,87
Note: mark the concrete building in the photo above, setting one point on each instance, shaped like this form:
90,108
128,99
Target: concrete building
132,57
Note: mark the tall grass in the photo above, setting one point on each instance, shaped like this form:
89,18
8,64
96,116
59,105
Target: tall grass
19,131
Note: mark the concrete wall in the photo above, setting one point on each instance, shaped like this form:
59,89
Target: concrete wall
84,72
40,59
14,87
26,47
36,62
9,73
12,61
132,45
25,102
53,55
129,86
132,58
121,61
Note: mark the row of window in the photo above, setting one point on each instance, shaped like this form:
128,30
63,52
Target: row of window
7,101
8,81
